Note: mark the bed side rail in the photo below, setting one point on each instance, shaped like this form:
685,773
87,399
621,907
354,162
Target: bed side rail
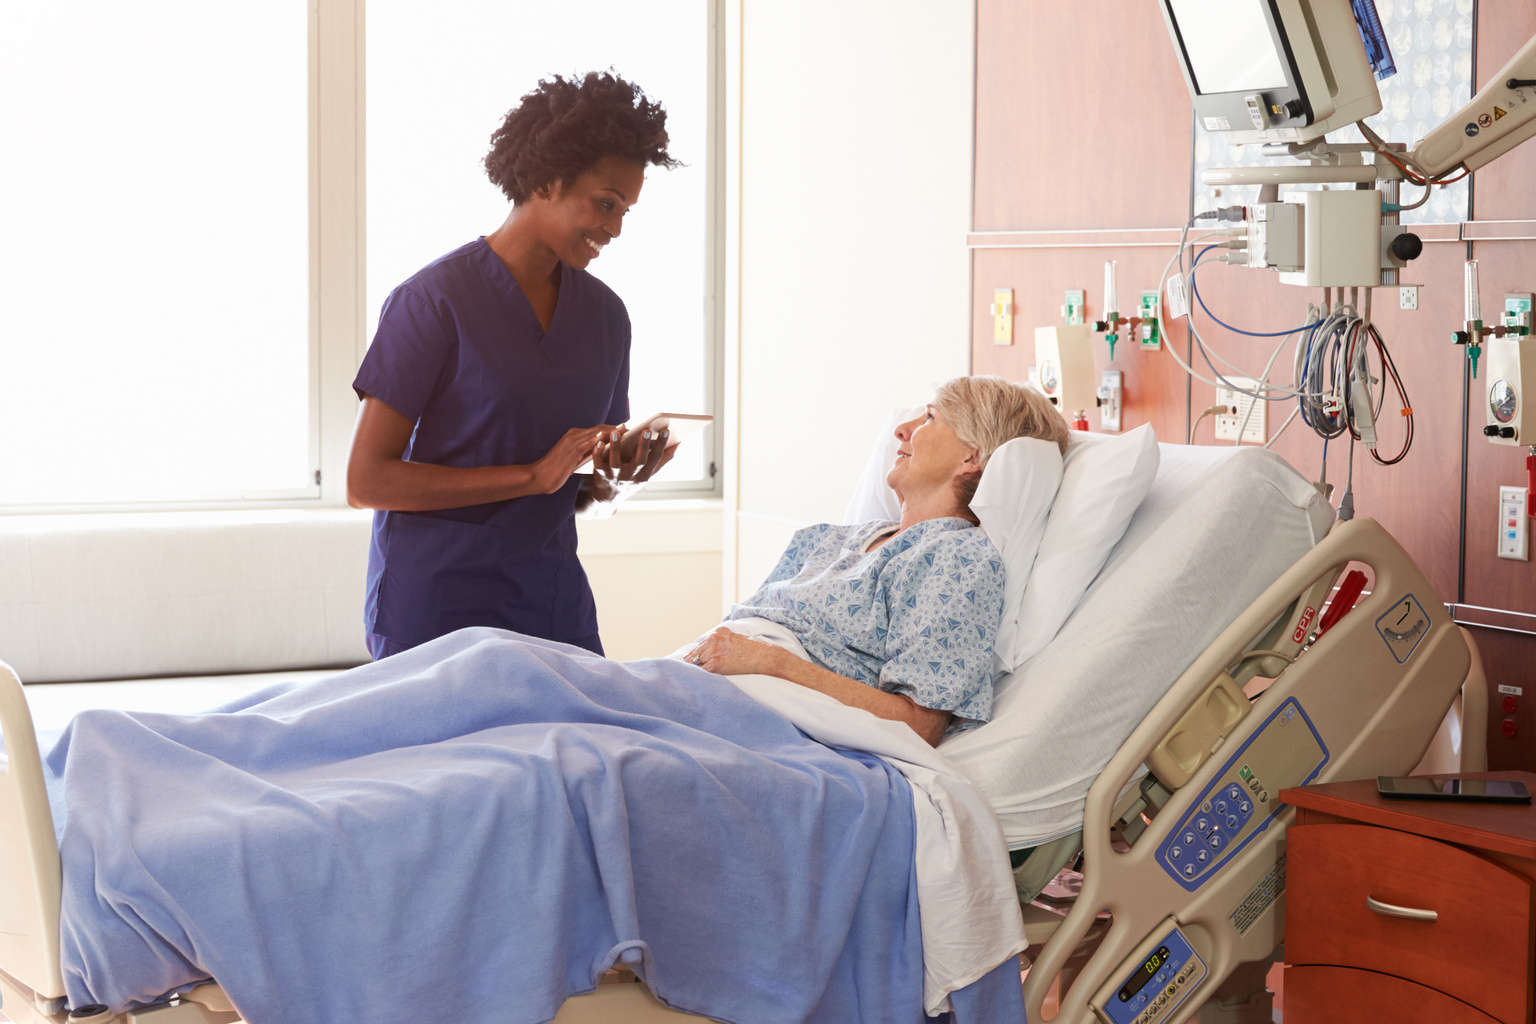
1375,707
29,853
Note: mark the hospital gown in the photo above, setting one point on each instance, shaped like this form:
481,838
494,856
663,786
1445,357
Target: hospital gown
915,616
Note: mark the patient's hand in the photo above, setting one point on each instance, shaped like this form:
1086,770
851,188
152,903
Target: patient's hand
728,653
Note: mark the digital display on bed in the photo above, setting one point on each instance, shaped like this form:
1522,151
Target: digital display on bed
1144,975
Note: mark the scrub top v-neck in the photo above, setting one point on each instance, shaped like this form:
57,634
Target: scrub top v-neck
461,353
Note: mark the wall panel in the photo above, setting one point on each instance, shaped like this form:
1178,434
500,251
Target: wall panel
1040,170
1068,129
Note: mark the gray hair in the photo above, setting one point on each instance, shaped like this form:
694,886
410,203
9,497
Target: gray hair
987,411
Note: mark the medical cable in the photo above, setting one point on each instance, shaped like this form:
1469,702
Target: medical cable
1347,502
1215,410
1338,353
1404,162
1208,354
1264,386
1178,258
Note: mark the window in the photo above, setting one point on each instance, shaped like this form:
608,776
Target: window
154,258
440,79
181,288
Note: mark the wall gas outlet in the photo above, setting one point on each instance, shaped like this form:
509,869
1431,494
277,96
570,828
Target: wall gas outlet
1514,535
1516,303
1002,316
1074,309
1150,330
1256,430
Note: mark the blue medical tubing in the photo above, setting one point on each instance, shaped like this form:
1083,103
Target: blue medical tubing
1206,355
1195,287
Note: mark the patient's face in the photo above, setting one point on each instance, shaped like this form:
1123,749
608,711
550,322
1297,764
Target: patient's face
929,458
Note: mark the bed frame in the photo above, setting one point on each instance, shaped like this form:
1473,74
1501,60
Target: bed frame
1375,697
1376,715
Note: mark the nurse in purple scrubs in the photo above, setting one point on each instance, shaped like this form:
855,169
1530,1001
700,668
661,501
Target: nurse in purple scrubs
497,370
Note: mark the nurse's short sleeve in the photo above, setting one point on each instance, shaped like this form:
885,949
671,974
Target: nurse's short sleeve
410,350
945,604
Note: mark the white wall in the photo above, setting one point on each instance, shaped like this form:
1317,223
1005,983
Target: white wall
655,573
849,197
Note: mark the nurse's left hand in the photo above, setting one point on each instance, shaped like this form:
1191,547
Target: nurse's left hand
728,653
633,462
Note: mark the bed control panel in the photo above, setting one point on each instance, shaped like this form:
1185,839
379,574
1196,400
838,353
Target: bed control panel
1156,980
1241,801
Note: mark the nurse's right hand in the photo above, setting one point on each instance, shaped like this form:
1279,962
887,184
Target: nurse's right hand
555,468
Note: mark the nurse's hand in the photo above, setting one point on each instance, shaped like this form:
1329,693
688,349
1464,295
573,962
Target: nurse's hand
728,653
626,458
555,468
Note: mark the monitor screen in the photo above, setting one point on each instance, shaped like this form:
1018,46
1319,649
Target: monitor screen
1229,45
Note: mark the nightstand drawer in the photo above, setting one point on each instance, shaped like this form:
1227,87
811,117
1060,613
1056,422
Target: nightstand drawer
1341,995
1477,948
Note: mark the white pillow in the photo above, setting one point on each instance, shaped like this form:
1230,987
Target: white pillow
872,499
1104,480
1013,502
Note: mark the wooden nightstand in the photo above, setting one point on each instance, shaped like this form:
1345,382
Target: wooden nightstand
1473,866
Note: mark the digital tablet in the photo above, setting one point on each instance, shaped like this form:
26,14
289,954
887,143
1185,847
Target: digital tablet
679,425
1490,791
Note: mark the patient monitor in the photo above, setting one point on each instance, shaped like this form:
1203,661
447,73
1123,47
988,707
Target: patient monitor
1291,71
1283,74
1274,70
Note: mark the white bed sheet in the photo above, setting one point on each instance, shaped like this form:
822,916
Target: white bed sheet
1218,526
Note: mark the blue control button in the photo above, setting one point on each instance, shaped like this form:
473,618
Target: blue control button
1244,807
1218,841
1189,839
1174,853
1233,793
1189,871
1202,856
1202,825
1221,807
1232,822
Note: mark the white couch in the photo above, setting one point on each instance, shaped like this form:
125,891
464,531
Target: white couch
169,594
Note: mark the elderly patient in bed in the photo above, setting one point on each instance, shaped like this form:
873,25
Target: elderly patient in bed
898,618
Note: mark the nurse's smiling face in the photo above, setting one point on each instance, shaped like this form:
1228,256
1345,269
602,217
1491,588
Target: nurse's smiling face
576,221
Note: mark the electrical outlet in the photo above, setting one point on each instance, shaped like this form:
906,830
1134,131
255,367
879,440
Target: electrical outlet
1514,538
1408,297
1256,430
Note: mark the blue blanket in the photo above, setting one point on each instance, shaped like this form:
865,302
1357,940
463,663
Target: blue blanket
475,830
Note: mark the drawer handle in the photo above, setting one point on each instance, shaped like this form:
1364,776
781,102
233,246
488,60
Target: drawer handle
1411,913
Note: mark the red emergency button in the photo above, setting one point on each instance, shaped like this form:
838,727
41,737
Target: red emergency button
1509,728
1509,705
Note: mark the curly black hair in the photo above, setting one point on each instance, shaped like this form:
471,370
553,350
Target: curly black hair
565,126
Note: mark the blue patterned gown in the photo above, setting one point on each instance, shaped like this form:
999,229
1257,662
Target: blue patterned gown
916,616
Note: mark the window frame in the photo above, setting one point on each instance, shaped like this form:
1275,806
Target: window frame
338,272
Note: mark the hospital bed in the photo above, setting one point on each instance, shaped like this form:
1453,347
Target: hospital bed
1365,697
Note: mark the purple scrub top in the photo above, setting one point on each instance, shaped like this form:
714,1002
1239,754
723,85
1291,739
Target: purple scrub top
460,352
